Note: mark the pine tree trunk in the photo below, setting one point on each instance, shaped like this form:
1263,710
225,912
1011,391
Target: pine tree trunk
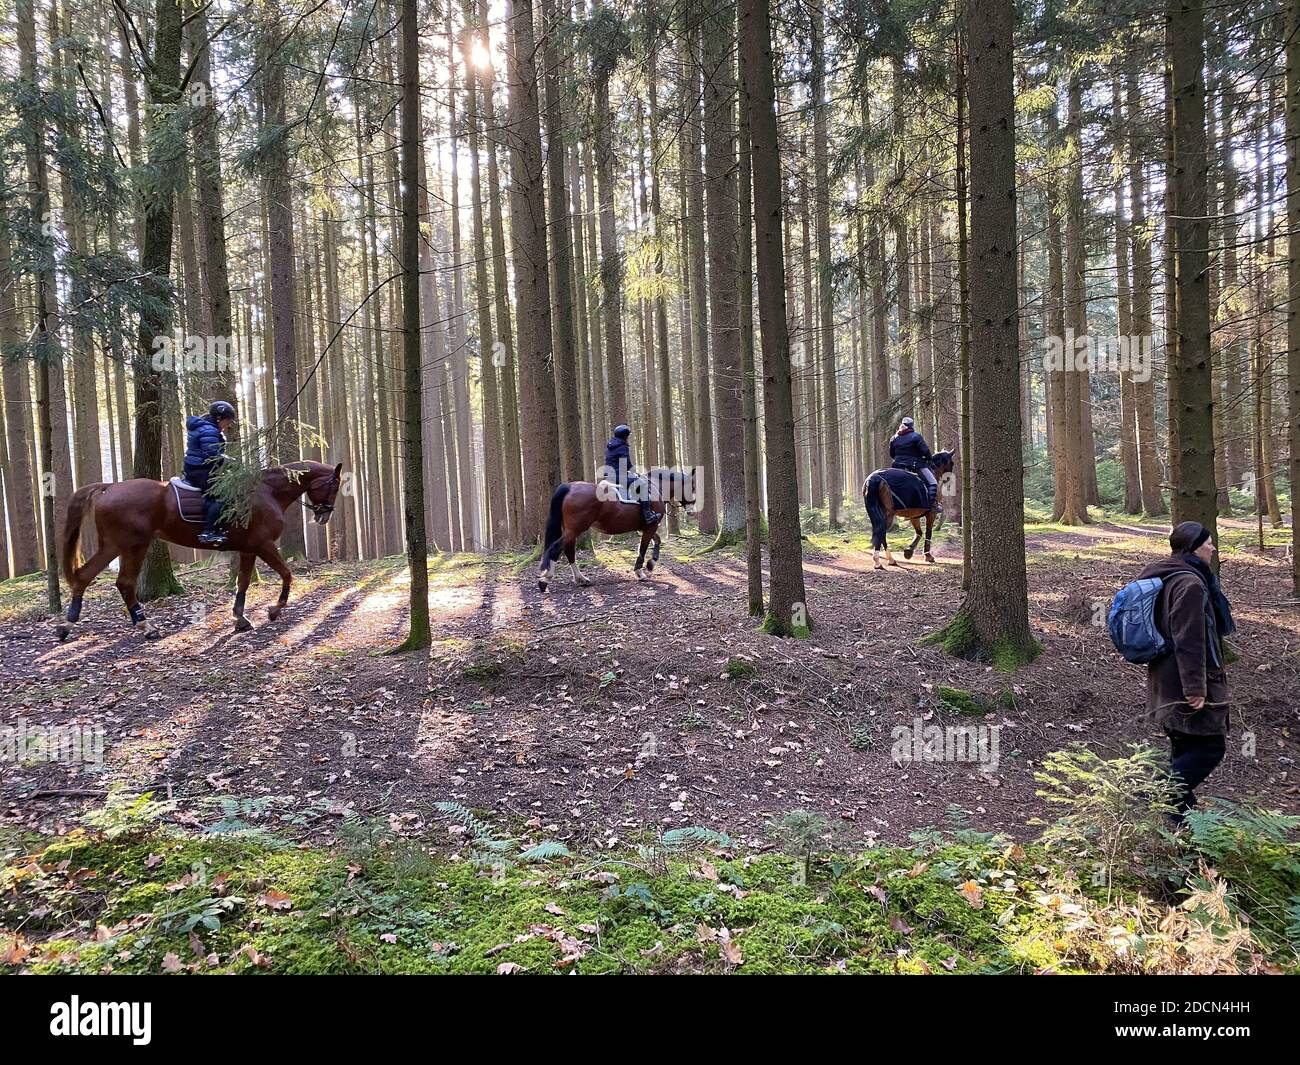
830,397
994,617
498,523
537,407
1144,391
787,602
156,578
279,216
701,312
467,467
748,379
511,455
719,36
1195,490
20,475
1124,318
1293,273
417,551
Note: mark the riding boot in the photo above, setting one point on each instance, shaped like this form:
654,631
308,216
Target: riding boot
211,536
648,513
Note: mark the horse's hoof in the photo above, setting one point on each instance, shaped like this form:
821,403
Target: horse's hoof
273,612
153,634
929,558
892,562
62,632
584,583
243,625
907,553
541,586
877,566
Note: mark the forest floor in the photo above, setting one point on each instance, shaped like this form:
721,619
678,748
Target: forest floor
595,714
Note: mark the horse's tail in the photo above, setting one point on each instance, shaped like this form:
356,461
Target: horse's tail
875,511
78,507
555,520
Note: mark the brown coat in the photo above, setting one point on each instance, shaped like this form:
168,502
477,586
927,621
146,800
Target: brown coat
1181,614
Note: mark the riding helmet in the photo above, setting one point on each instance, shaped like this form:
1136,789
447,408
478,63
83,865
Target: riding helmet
221,409
622,432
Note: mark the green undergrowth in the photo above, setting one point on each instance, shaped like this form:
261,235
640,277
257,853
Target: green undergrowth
133,892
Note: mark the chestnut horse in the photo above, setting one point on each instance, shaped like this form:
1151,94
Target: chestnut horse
581,505
130,515
883,505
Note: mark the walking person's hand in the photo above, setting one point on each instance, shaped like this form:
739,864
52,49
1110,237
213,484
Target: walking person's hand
1196,701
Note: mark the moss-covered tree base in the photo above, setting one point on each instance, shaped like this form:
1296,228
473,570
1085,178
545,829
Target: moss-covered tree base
960,639
774,626
726,538
157,578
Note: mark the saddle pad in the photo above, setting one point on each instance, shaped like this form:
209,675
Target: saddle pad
608,488
189,500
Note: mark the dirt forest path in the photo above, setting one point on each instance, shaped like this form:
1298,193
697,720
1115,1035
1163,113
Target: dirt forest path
604,712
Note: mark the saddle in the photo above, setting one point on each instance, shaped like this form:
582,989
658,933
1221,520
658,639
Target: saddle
189,500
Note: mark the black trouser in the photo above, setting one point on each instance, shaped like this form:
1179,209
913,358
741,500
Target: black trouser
198,476
638,487
1194,759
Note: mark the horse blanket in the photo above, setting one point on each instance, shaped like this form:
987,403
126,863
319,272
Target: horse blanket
908,489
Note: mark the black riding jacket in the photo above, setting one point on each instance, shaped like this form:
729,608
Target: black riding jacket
909,450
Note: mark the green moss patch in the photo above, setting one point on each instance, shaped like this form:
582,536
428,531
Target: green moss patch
152,899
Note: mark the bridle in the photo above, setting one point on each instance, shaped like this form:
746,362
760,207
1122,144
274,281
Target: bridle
321,509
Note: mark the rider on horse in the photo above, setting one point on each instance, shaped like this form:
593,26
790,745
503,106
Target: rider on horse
909,451
205,448
618,458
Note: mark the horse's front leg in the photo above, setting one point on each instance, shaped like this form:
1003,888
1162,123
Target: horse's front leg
929,526
639,568
246,561
272,557
910,549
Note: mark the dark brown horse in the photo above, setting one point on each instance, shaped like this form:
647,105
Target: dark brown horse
881,493
581,505
130,515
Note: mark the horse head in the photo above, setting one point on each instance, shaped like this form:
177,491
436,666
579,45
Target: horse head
676,486
943,462
323,485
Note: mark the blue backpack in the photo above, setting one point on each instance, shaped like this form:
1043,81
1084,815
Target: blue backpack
1132,621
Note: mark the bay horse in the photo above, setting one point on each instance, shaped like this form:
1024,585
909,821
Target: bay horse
581,505
130,515
894,493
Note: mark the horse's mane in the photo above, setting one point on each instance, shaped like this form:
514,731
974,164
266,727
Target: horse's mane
278,477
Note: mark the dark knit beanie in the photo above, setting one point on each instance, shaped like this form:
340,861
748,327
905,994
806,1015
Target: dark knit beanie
1188,536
